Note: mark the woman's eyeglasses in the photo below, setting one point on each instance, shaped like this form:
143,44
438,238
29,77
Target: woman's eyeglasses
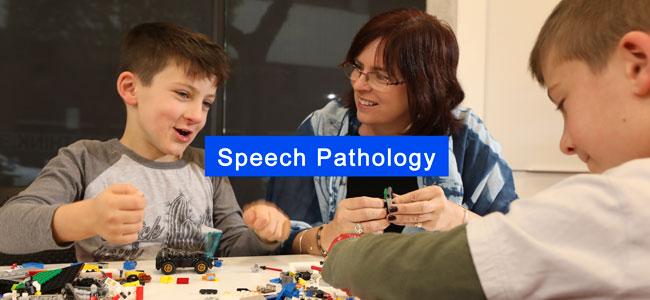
376,80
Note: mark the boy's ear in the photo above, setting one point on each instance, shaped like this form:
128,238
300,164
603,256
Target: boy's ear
126,87
636,53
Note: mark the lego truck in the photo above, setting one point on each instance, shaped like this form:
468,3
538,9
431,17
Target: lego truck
168,259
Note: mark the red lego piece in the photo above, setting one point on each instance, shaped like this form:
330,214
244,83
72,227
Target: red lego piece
182,280
270,268
139,293
34,272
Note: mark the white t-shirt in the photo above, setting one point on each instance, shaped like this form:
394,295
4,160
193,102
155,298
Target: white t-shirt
585,237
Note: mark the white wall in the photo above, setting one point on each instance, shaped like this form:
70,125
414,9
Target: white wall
495,38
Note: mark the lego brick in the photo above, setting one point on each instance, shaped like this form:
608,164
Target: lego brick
182,280
166,279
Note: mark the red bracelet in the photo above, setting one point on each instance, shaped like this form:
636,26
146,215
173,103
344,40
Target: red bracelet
341,237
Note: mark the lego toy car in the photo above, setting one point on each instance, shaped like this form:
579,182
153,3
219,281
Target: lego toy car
168,259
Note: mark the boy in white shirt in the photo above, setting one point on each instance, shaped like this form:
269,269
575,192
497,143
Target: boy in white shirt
587,236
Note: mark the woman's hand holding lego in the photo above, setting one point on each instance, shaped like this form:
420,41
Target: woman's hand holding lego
118,213
356,215
267,221
427,208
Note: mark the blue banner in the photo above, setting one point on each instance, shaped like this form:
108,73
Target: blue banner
262,156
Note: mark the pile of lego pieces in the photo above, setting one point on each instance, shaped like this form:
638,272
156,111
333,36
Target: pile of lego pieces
78,281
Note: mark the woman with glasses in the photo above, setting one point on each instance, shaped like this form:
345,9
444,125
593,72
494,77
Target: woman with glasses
402,69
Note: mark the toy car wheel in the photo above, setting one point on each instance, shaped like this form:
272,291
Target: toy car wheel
168,267
132,277
201,267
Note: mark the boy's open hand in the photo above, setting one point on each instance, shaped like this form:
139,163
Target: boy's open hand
119,213
267,221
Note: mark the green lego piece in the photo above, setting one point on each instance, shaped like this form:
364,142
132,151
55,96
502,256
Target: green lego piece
41,277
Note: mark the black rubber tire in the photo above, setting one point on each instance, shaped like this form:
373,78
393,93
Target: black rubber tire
201,266
168,267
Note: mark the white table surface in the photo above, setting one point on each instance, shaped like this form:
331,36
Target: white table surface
234,273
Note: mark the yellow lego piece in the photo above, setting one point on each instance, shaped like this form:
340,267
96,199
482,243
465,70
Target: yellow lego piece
132,283
166,279
90,268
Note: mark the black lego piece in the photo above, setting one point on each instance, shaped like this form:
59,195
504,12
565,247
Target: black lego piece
207,291
67,275
5,285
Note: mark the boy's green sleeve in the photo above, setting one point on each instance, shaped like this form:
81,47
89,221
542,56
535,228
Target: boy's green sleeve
405,266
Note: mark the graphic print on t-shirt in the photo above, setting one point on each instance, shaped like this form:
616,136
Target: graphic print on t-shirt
183,231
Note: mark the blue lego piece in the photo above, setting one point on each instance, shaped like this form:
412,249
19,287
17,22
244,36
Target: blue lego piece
276,280
129,264
288,290
218,263
212,240
33,265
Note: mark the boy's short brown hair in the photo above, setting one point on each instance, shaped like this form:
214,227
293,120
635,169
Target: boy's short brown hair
587,30
148,48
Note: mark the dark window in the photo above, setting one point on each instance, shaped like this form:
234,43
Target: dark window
59,66
59,62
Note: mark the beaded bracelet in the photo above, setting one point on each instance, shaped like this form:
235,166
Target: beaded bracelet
341,237
322,251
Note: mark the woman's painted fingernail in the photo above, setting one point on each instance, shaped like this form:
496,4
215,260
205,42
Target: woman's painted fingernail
391,218
392,209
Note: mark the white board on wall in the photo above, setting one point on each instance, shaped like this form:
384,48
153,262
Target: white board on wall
517,110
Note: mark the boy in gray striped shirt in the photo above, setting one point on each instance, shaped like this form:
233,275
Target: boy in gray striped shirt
127,198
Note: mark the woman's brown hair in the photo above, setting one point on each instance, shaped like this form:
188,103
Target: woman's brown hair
425,52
